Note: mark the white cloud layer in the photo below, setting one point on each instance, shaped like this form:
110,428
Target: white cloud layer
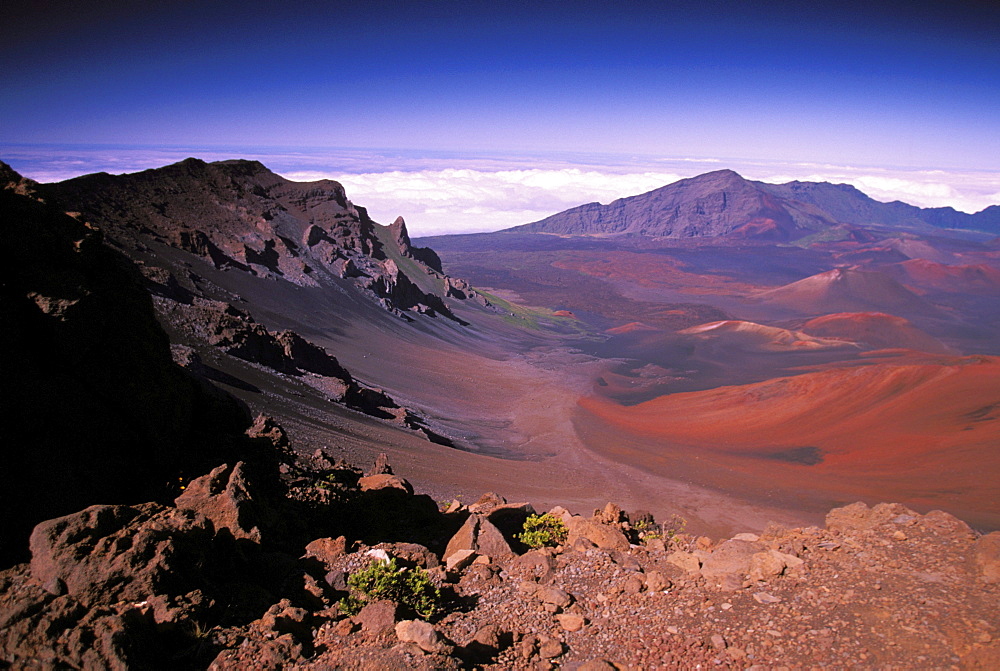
465,201
442,192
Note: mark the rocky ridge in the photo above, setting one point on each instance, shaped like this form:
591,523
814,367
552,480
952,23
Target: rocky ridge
238,215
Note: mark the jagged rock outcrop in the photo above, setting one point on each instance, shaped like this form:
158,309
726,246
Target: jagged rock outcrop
235,332
223,326
425,255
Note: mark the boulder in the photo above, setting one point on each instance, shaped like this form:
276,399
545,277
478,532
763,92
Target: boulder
731,558
509,518
384,481
284,618
229,498
423,635
633,584
859,516
410,553
571,622
479,535
37,632
378,617
464,538
603,536
268,428
986,557
484,646
656,581
459,560
610,514
945,524
554,596
381,465
550,649
534,565
687,561
491,542
327,550
487,502
766,565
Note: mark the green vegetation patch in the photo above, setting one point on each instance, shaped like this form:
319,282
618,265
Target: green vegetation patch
535,319
543,531
385,580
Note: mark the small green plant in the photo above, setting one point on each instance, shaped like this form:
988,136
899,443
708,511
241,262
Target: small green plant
386,580
673,527
648,531
543,531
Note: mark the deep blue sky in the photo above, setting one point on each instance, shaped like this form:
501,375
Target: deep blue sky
880,83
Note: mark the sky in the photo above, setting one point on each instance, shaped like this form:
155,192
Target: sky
472,116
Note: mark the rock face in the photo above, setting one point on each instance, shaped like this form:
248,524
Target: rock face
226,497
93,400
239,215
723,203
106,554
425,255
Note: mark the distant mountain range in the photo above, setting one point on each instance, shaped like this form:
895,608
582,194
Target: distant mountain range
724,204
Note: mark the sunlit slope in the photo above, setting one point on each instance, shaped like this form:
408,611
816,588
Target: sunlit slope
749,335
875,329
908,432
847,290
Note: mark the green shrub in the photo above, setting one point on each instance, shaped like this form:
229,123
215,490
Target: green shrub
543,531
648,531
386,580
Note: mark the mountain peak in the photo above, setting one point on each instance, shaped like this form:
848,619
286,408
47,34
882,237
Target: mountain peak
716,175
713,204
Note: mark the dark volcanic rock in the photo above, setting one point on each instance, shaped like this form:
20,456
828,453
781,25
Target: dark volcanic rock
239,215
94,404
130,586
425,255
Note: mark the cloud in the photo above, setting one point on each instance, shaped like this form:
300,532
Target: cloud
466,200
967,191
454,192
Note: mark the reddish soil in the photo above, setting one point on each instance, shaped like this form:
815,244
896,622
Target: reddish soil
653,271
921,434
926,274
876,329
